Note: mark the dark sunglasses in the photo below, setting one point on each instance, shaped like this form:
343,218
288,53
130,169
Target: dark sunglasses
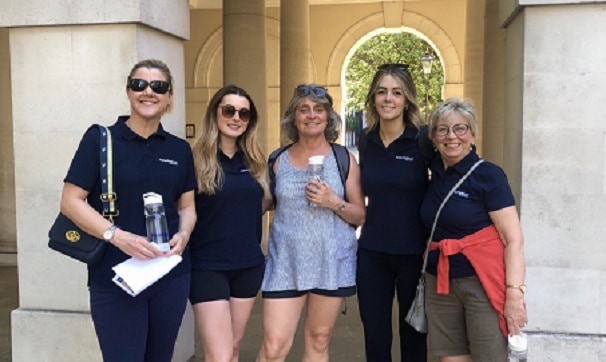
305,90
229,111
401,66
139,85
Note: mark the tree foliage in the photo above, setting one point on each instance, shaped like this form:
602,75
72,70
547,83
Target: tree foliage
384,48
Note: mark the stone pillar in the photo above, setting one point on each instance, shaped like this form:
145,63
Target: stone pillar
474,59
493,119
8,231
244,55
295,52
554,114
69,64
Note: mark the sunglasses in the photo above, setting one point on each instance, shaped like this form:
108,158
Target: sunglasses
228,111
401,66
139,85
305,90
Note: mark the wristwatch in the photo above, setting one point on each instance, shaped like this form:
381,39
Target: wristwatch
108,234
521,287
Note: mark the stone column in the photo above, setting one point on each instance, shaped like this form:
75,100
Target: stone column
554,137
69,64
244,55
8,232
295,52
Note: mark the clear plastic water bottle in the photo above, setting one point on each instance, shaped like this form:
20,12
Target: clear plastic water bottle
155,220
315,171
517,348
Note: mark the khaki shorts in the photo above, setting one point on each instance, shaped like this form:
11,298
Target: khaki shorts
463,322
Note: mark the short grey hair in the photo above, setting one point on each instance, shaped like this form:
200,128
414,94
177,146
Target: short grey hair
462,107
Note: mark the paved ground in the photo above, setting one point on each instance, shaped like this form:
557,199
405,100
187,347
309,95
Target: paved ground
347,343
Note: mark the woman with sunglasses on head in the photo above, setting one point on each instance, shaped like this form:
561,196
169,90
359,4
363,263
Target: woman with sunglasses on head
394,179
475,267
146,158
312,243
233,194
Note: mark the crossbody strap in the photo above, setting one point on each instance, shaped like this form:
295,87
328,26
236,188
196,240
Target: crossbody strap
108,195
435,220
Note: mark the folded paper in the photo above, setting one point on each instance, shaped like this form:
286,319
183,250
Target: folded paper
135,275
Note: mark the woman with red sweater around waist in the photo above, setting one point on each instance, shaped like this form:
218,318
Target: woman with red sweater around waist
475,267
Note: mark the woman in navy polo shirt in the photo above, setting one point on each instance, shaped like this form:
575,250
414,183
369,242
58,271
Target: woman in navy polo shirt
146,158
394,179
475,282
233,194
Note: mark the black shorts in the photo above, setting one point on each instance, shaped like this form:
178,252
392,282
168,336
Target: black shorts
209,285
341,292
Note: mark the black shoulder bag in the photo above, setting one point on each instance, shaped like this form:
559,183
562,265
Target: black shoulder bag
65,236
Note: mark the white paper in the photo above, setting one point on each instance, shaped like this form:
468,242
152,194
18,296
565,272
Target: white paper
135,275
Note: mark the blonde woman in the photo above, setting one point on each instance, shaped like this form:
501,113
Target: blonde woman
233,193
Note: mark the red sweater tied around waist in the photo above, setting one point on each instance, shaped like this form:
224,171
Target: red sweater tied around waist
485,251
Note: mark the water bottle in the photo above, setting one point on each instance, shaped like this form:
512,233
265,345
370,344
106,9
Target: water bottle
315,171
155,220
517,348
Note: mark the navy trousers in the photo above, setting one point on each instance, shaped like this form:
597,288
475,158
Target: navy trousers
142,328
379,276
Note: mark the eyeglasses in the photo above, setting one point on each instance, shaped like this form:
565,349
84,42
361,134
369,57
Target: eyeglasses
401,66
305,90
458,129
229,111
139,85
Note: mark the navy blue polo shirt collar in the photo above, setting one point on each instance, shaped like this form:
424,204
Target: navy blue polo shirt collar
124,131
461,167
409,133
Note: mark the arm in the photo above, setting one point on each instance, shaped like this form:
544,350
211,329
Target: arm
507,223
353,210
187,220
74,206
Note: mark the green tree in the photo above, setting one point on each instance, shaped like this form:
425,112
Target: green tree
384,48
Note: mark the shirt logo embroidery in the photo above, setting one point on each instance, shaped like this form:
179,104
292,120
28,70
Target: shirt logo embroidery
462,194
405,158
170,162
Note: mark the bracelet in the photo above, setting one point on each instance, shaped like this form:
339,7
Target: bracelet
341,207
521,287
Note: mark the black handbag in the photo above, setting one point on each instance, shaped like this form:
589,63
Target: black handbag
66,237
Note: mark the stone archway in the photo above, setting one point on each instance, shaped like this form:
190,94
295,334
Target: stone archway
409,21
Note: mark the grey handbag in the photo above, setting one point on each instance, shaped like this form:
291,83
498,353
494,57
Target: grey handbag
416,316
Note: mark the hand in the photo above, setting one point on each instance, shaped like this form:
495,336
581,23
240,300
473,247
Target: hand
178,243
318,192
135,245
515,311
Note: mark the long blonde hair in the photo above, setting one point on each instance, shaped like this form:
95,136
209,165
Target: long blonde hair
209,173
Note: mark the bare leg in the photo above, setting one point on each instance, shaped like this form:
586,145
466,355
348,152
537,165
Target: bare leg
214,323
240,313
280,320
320,319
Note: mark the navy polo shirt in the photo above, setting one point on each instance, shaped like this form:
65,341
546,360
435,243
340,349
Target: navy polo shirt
394,180
228,231
485,190
162,163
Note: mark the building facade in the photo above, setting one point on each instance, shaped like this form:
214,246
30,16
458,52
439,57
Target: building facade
534,69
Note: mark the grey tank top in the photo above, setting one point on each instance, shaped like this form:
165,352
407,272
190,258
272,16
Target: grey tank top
308,247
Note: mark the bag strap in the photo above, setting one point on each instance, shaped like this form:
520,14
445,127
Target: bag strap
435,220
108,195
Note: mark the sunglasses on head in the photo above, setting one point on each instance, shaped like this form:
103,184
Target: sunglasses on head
401,66
305,90
228,111
139,85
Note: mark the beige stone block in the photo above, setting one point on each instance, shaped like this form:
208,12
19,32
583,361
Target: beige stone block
154,13
49,336
554,300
